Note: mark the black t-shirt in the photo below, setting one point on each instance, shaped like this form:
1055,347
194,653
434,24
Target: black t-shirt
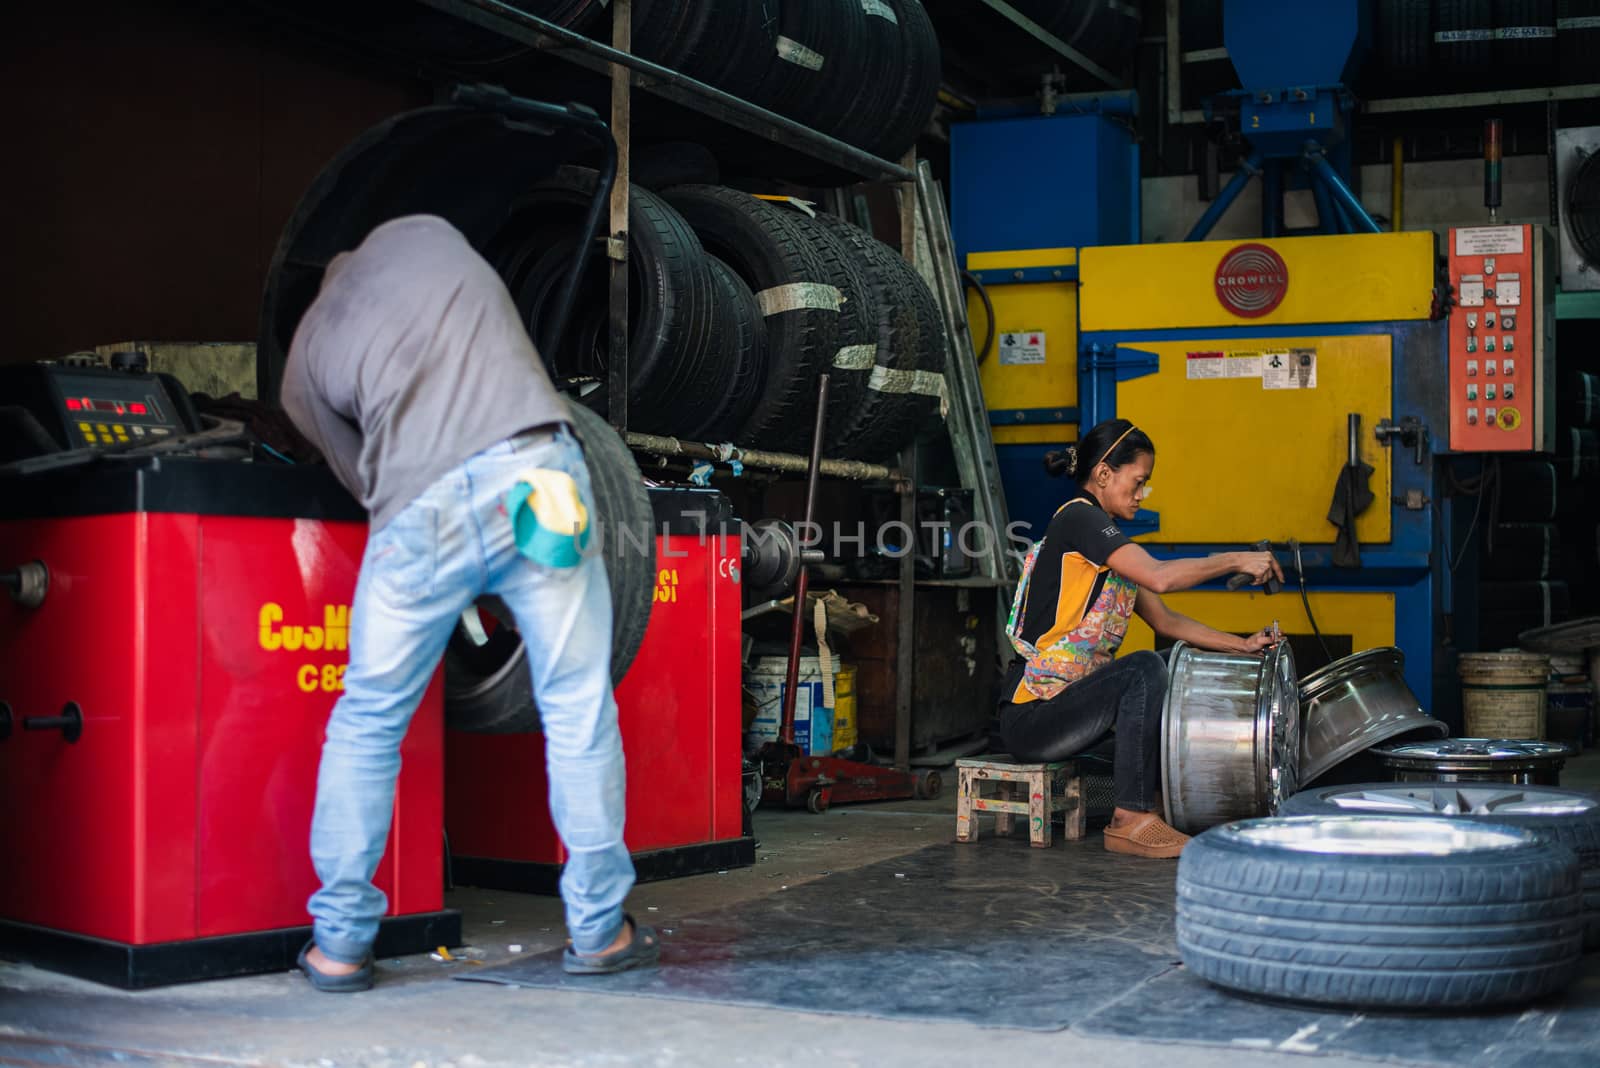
1084,529
1079,540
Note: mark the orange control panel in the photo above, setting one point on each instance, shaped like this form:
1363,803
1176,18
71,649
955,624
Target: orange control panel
1497,339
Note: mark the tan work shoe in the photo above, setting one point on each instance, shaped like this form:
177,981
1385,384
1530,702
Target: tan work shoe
1149,836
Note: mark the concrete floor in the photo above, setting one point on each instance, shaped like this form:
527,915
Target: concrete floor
416,1016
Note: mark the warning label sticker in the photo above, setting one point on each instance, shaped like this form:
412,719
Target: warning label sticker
1223,364
1489,241
1289,369
1022,348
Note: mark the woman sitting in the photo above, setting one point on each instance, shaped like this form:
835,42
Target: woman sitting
1080,584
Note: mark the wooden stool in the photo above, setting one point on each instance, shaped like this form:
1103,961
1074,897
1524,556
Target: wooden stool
1052,788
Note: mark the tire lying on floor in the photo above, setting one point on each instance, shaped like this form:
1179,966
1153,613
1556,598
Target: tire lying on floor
1396,912
487,689
1568,818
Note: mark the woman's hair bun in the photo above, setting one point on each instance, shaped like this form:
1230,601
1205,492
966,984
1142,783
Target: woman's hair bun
1062,463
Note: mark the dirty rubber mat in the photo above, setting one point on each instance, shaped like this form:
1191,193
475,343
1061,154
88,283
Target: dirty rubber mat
1177,1007
993,933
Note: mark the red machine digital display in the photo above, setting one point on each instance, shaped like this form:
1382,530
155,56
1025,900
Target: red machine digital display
89,404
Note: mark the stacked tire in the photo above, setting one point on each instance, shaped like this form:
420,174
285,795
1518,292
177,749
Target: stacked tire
1569,819
790,56
1381,911
736,306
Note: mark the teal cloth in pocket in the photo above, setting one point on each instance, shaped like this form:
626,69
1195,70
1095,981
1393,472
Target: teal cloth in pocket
549,521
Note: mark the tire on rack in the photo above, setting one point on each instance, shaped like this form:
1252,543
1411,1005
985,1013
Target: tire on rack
852,361
673,365
883,420
487,689
1379,911
806,79
746,333
742,44
798,300
881,50
916,376
918,82
1569,818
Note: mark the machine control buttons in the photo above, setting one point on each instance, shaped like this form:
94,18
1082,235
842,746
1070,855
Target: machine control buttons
1488,365
1507,342
1472,342
1508,391
1510,418
1488,391
1509,367
1488,265
1472,320
1472,368
1508,321
1488,346
1472,391
1488,320
1488,415
1472,417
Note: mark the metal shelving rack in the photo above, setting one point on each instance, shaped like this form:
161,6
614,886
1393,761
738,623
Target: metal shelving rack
921,211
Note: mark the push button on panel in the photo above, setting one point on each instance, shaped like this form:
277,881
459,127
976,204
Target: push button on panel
1506,342
1472,343
1472,417
1472,368
1472,391
1508,391
1508,366
1489,367
1488,391
1488,345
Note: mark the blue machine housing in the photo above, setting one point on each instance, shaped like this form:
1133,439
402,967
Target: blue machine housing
1045,181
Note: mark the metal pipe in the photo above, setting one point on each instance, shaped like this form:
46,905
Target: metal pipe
1225,199
1271,199
657,445
1357,215
1052,42
1353,427
905,665
1328,220
1397,182
798,630
1174,67
617,240
516,25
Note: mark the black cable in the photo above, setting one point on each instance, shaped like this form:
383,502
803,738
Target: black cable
988,306
1305,599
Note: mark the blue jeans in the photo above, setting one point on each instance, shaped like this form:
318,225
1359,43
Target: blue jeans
421,570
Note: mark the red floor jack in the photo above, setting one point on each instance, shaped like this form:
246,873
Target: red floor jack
789,776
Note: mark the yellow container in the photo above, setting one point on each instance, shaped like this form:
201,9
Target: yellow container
844,708
1503,694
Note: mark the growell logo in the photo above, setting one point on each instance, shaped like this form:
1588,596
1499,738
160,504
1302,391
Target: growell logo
1251,280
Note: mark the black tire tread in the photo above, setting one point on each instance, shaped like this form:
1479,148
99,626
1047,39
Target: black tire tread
1462,930
765,249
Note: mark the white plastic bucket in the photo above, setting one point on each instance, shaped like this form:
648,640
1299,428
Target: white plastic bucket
813,717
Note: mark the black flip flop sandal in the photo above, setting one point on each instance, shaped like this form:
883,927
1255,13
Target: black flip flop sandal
355,982
645,948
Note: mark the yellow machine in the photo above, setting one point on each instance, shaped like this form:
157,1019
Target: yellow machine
1260,369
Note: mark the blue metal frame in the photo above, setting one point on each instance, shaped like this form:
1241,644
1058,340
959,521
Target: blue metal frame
1033,416
999,276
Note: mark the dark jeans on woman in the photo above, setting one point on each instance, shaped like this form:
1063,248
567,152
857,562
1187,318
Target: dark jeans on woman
1126,694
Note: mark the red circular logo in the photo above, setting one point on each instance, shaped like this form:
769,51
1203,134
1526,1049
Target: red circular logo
1251,280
